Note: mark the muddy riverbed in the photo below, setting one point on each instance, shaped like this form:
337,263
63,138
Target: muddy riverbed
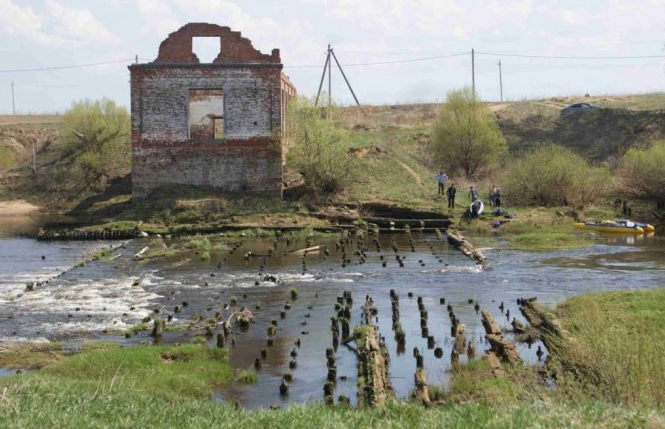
103,298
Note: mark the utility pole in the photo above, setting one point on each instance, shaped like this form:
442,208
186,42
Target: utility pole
473,71
13,104
500,80
34,158
329,80
136,59
327,68
344,76
323,76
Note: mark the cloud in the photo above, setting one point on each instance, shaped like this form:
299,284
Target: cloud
55,26
294,38
160,19
18,21
78,25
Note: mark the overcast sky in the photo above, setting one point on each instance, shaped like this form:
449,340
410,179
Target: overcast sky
51,33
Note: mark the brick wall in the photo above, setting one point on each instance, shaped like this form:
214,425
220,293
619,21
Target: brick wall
249,158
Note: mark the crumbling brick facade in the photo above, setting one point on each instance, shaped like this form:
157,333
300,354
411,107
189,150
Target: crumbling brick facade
218,124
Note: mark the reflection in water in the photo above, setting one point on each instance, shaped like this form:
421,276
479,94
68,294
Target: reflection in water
116,292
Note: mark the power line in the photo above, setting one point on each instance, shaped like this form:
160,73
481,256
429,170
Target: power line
384,62
571,57
374,63
74,66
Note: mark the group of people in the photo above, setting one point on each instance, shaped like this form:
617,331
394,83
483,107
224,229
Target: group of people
474,195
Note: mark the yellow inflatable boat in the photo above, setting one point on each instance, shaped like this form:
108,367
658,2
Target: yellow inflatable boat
617,227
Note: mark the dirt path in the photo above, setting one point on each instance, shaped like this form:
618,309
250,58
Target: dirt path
16,208
416,176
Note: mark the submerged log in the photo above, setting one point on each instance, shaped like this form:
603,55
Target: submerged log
459,242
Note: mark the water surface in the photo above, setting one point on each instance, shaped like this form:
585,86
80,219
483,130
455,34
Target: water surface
102,298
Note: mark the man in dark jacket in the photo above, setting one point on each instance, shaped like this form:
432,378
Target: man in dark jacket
451,196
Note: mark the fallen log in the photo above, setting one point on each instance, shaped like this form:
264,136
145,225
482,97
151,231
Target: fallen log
491,327
495,365
140,253
459,242
538,316
373,362
504,349
387,222
500,346
314,249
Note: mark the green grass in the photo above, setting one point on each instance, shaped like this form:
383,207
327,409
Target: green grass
199,244
157,386
31,356
548,241
139,327
475,381
540,228
247,376
617,350
399,173
168,373
42,404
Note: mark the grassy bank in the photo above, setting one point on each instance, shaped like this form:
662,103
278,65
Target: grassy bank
616,349
609,375
43,405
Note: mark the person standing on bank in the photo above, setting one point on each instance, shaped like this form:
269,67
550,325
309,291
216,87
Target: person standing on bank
497,198
473,194
441,179
492,196
451,196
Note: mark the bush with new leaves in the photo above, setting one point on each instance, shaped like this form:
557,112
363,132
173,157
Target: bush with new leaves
643,171
552,175
95,143
466,138
320,147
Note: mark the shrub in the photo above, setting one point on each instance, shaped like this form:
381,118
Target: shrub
466,136
320,147
552,175
643,171
95,143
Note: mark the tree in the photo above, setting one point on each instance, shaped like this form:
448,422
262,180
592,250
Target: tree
552,175
643,171
320,147
466,135
96,142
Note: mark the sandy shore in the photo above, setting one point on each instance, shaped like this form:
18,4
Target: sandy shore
16,208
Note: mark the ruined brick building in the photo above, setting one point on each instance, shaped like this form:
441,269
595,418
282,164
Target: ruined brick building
216,124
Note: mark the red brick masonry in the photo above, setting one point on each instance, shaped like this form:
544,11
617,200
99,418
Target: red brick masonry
255,97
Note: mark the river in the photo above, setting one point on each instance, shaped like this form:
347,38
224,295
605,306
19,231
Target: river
102,298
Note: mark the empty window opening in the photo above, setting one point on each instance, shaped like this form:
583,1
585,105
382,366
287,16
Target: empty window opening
206,48
206,114
219,127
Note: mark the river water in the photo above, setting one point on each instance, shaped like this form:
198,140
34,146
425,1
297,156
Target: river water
102,298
